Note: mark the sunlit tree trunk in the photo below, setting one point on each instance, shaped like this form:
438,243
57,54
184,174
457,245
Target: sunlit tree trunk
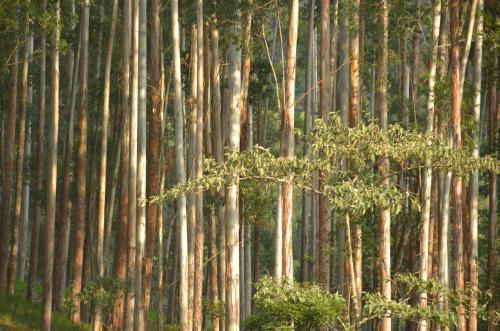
191,154
14,246
427,185
81,165
415,75
467,43
182,233
457,144
139,317
198,167
232,317
52,176
354,116
131,298
287,139
474,180
381,104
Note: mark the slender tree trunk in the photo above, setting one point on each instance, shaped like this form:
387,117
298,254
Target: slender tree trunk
14,246
182,234
385,216
457,144
139,316
199,232
82,161
324,221
8,171
493,202
23,239
306,195
354,115
474,180
415,75
191,142
154,153
103,158
37,214
121,247
467,43
61,257
131,296
425,240
232,318
51,179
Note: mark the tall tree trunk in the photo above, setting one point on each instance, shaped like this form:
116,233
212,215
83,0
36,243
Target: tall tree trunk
51,178
104,156
425,240
14,246
354,116
8,171
191,142
324,221
306,195
139,316
121,247
467,43
493,202
231,213
82,162
457,144
443,272
415,75
132,178
385,216
64,220
23,238
182,234
474,180
199,232
37,214
154,153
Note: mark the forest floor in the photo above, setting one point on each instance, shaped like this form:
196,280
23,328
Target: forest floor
18,314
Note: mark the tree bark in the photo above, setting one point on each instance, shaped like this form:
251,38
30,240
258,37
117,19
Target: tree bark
324,221
457,144
231,213
385,216
14,246
52,178
37,213
425,240
474,179
81,163
182,233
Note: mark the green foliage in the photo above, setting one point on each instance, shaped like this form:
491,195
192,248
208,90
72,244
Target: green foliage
284,305
103,293
351,187
408,285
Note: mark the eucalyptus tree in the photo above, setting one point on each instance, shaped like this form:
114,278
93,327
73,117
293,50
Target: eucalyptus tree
426,196
81,163
457,144
46,316
182,231
232,319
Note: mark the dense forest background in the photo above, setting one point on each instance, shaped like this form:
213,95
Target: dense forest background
249,164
